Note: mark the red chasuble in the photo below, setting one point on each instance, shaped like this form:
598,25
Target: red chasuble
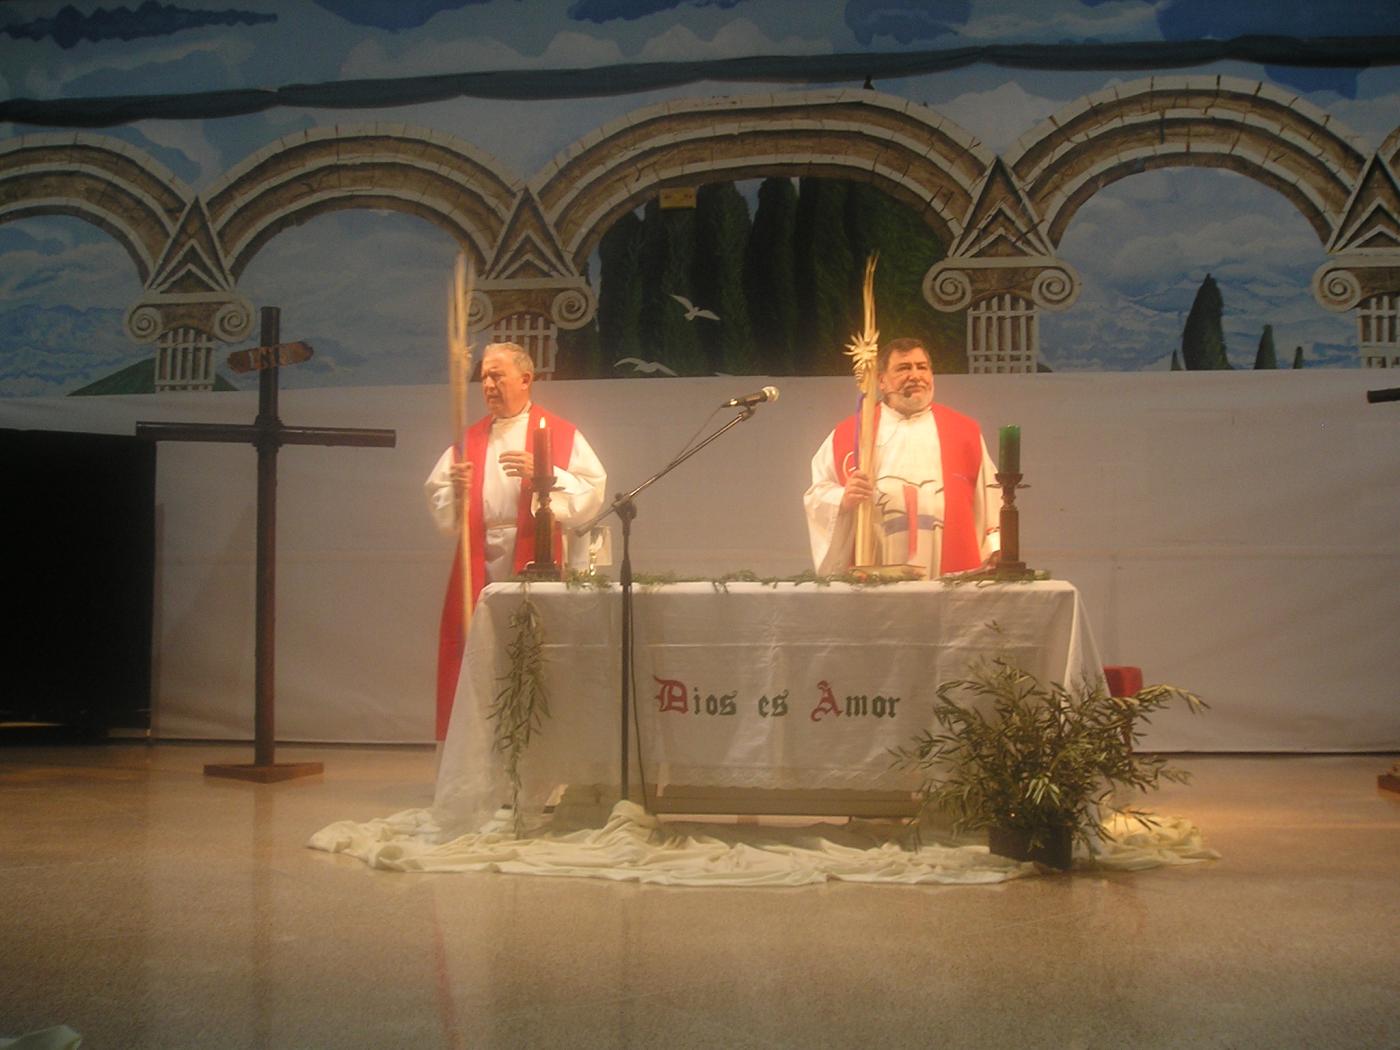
960,443
451,638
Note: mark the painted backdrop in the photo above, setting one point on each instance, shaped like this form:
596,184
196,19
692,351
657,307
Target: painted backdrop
1096,189
690,187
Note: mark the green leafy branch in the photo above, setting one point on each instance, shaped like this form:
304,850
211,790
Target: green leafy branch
1010,752
522,704
576,580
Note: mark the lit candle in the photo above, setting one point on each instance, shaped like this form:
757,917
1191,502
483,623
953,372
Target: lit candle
1009,460
543,467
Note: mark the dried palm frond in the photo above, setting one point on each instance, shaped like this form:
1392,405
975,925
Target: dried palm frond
459,371
865,345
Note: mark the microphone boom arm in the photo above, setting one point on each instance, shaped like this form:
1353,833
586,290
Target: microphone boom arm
624,498
625,509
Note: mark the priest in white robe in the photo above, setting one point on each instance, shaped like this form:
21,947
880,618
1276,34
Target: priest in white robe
933,482
490,477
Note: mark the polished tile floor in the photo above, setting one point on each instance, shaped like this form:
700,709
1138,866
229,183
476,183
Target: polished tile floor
144,905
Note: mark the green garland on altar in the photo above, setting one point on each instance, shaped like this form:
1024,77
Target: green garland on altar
594,580
522,703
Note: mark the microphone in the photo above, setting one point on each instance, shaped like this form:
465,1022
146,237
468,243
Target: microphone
768,393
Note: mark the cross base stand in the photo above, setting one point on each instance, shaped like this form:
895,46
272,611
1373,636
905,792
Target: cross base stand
266,774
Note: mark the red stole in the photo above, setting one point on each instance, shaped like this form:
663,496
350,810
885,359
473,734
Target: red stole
451,637
960,450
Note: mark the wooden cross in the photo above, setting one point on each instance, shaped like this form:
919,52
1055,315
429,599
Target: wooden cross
267,434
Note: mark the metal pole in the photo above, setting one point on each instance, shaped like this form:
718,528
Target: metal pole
626,511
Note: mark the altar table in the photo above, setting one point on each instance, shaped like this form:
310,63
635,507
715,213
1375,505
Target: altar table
746,686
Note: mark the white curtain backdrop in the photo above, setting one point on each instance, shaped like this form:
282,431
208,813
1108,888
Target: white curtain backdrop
1235,533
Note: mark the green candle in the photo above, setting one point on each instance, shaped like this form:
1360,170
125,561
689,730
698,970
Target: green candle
1009,461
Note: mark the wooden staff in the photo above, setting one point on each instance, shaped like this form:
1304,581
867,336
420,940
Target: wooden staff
459,370
863,350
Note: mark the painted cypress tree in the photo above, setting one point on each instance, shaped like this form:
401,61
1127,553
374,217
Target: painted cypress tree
828,293
620,293
717,275
1203,338
1297,357
876,222
1176,361
1265,357
667,246
769,278
581,353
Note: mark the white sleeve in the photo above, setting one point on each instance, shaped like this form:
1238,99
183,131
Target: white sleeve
438,488
578,492
831,530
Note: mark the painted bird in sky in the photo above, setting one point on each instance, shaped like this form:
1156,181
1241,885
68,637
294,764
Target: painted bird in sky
638,365
692,311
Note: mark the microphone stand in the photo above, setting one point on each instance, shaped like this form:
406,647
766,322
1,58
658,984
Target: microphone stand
625,507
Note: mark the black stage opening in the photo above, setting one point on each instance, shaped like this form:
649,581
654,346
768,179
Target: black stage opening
78,584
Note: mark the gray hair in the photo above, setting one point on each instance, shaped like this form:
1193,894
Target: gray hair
518,354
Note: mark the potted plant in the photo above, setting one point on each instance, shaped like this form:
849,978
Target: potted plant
1036,765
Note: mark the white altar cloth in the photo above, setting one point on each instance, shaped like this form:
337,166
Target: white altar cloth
752,685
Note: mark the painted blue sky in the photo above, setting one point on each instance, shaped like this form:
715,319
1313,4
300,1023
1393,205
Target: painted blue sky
97,49
1142,246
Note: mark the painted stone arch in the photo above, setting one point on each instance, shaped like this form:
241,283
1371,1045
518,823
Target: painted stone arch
1390,149
151,214
907,149
1004,265
442,180
533,286
101,180
1259,131
1362,271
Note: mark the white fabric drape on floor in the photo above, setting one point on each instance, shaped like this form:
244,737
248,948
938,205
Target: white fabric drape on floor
635,846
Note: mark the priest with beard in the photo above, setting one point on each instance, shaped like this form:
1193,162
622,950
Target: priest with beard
490,478
932,481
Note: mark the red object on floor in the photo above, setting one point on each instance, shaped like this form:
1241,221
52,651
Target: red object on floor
1123,679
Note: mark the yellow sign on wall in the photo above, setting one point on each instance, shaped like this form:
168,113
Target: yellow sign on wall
678,197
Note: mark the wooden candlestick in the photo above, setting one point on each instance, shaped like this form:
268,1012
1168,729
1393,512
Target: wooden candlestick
1009,565
544,567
